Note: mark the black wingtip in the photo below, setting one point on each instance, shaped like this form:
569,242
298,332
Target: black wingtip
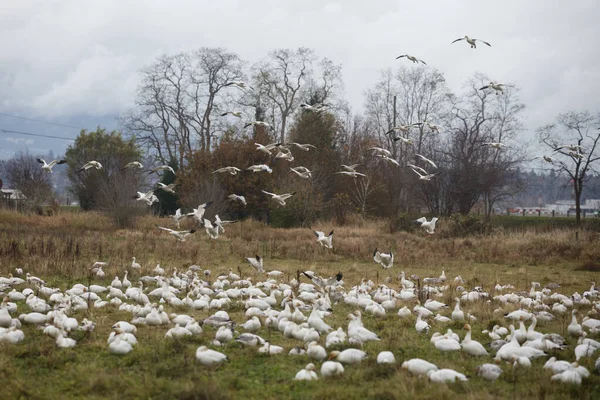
331,233
339,276
374,252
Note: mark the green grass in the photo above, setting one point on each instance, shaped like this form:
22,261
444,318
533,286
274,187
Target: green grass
163,369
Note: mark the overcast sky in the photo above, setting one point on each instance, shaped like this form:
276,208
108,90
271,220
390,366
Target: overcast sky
76,62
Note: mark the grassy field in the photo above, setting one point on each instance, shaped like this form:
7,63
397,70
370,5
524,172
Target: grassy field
60,249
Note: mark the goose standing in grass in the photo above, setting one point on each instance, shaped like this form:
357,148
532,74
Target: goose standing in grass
91,164
428,226
135,265
386,357
179,235
457,313
236,197
209,358
279,198
325,241
574,328
256,263
386,260
472,41
302,172
332,368
307,374
472,347
48,167
229,170
412,58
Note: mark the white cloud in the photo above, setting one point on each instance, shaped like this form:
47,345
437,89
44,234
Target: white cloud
72,57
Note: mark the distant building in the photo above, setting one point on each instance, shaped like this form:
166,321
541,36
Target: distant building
12,199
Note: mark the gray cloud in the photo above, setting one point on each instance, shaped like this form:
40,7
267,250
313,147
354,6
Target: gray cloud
72,58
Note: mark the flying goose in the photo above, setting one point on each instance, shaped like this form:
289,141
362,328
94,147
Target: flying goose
380,151
178,216
234,113
386,260
258,123
259,168
239,198
404,140
412,58
305,147
350,168
353,174
302,172
426,177
314,108
279,198
133,164
495,145
219,223
401,128
285,155
162,168
266,148
427,160
388,159
48,167
471,41
239,84
231,170
179,235
91,164
433,127
256,263
149,197
546,158
212,231
325,241
415,167
571,147
496,86
428,226
198,213
170,188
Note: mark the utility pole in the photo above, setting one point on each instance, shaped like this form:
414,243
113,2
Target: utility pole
393,126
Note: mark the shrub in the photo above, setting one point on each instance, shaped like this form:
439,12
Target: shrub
401,222
459,225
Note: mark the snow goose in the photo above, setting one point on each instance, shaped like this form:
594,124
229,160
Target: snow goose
228,170
418,366
457,313
348,356
162,168
498,87
179,235
170,188
574,328
119,347
266,148
234,113
472,347
260,168
209,358
380,151
211,231
64,342
472,41
303,147
239,84
388,159
425,177
386,357
325,241
48,167
445,375
421,326
90,164
313,108
258,123
495,145
268,348
302,172
178,332
353,174
307,374
315,351
279,198
332,368
386,260
198,213
133,164
256,263
429,226
489,372
239,198
412,58
568,376
148,197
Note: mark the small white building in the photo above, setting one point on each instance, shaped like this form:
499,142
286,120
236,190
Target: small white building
12,198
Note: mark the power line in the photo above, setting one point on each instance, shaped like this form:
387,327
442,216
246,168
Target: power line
40,121
34,134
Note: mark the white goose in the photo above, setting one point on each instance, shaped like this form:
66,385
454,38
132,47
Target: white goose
239,198
386,260
412,58
325,241
228,170
332,368
429,226
472,41
48,167
307,374
209,358
472,347
90,164
279,198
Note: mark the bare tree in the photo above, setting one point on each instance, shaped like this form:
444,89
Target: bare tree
24,173
281,78
362,192
574,140
177,100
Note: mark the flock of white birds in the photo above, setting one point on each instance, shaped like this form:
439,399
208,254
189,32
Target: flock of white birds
299,311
